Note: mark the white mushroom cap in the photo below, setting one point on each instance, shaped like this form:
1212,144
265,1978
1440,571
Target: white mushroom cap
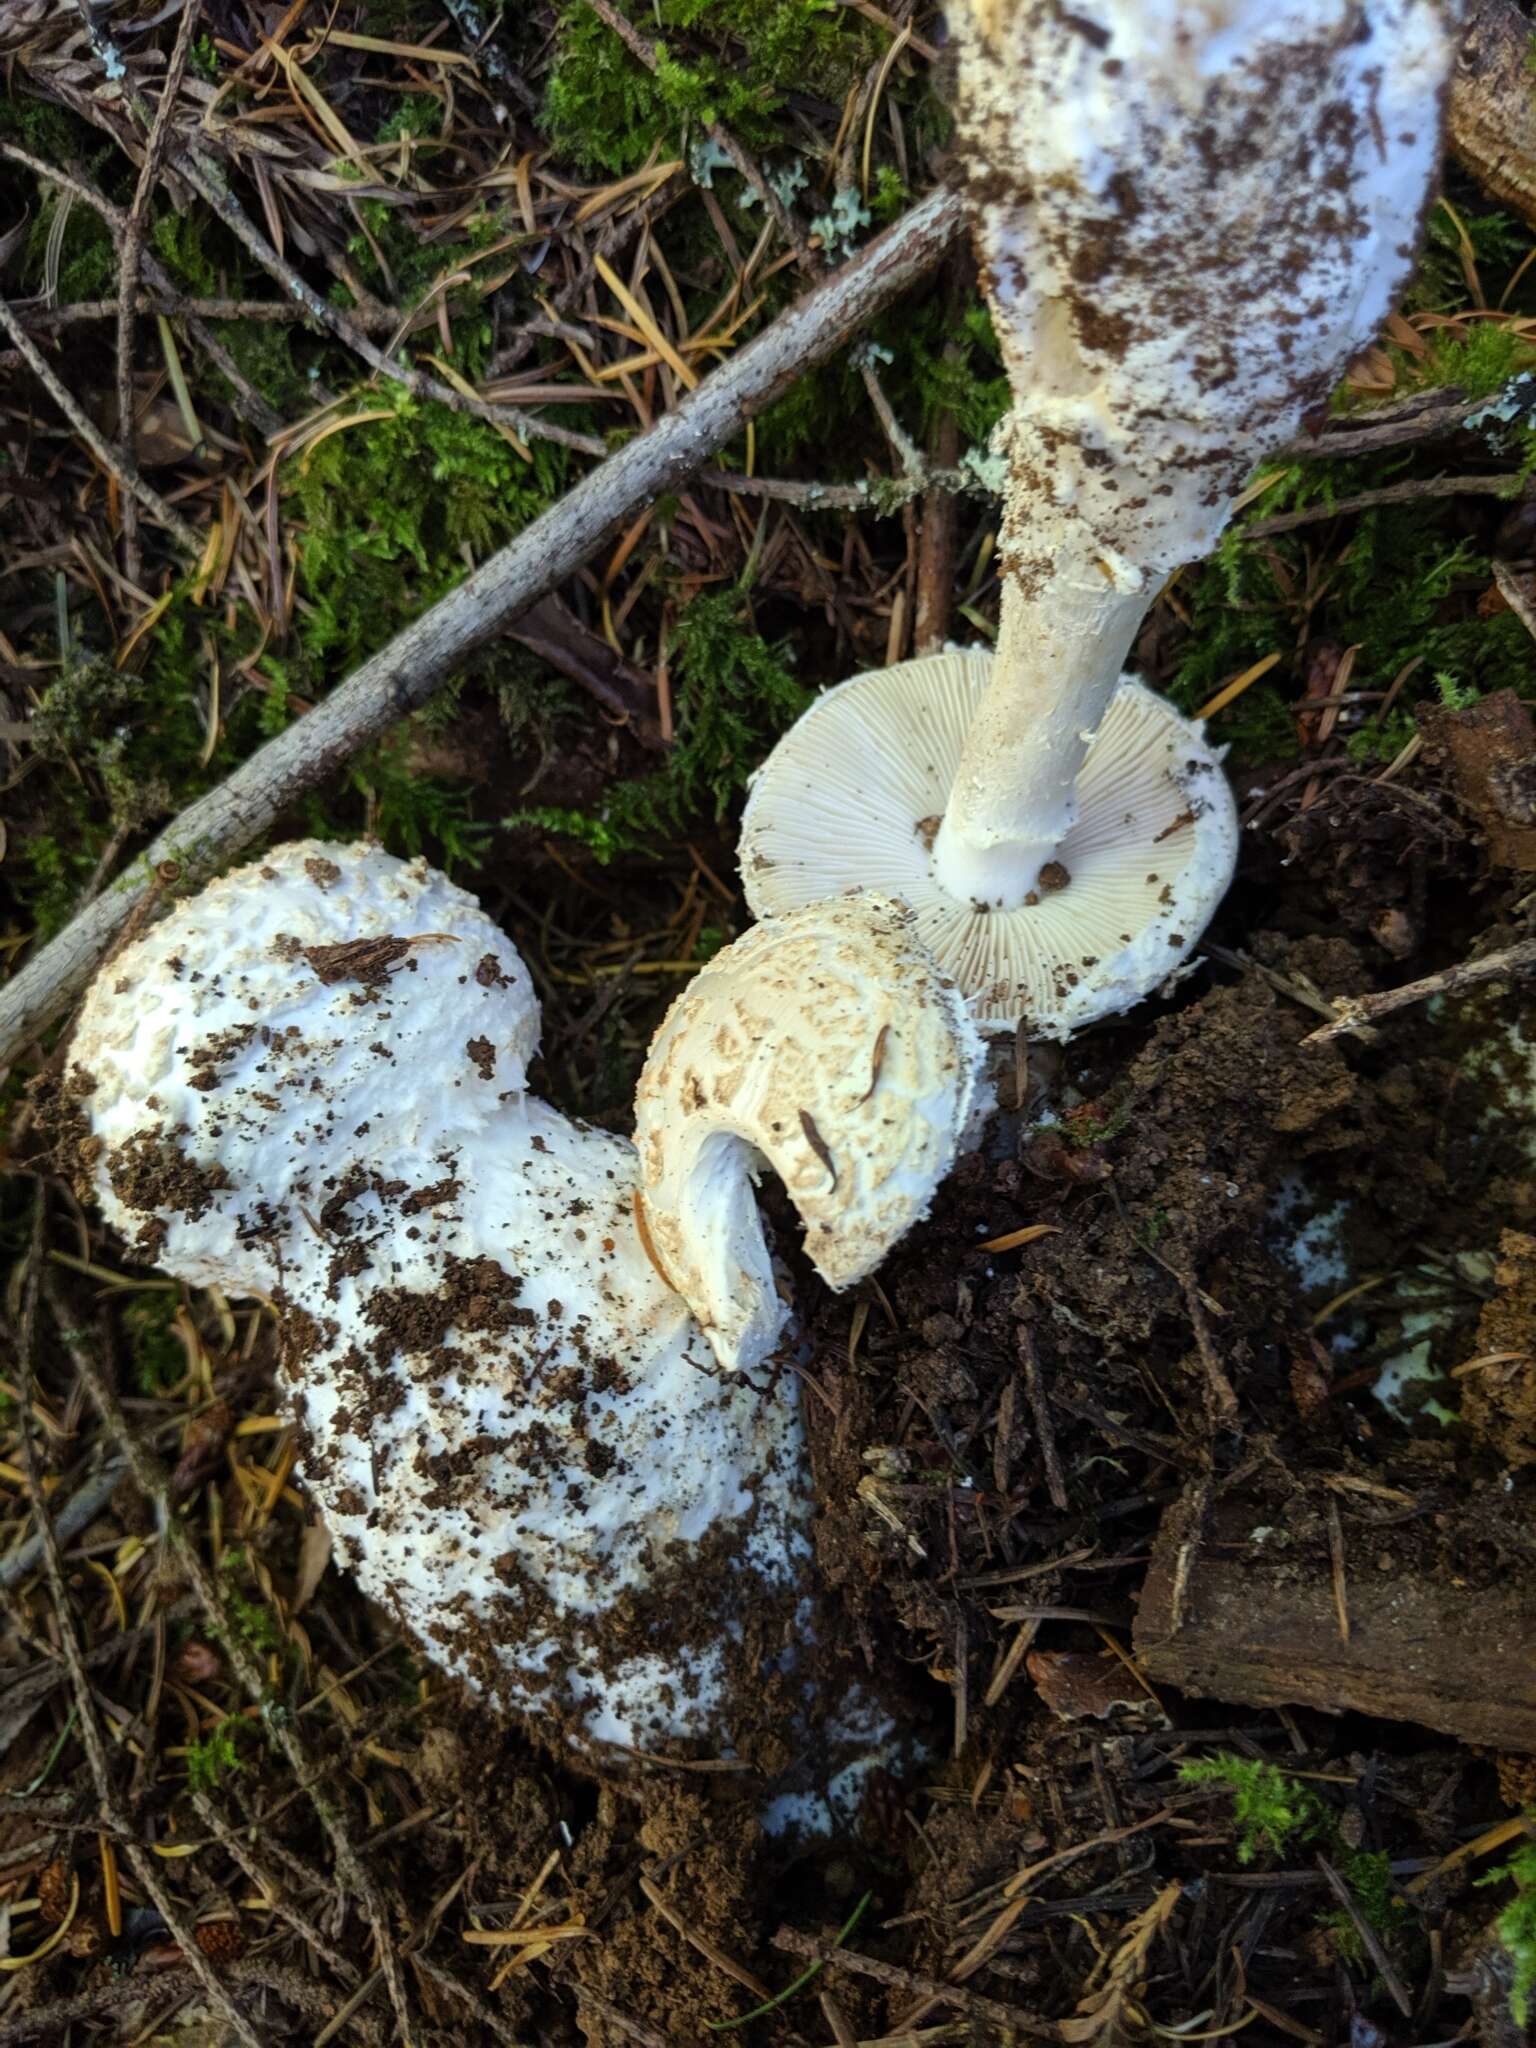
831,1045
852,798
309,1082
230,1082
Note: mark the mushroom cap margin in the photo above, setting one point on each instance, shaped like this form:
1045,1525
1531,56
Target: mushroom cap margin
852,796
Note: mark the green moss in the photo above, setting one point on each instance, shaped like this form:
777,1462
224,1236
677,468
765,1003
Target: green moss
418,114
159,1361
1498,242
1270,1809
217,1757
178,239
246,1620
733,695
730,61
263,352
1403,584
1517,1927
930,364
387,509
1368,1873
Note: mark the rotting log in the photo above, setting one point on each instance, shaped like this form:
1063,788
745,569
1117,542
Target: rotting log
1270,1607
403,675
1492,127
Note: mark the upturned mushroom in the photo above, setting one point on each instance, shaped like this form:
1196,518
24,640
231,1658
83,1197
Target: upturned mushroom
309,1083
1190,214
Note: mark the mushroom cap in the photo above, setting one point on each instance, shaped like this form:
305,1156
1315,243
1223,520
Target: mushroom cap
852,796
250,1053
829,1043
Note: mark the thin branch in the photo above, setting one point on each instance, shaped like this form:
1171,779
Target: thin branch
116,465
48,319
1351,1012
1405,493
1011,2018
406,672
83,1506
130,263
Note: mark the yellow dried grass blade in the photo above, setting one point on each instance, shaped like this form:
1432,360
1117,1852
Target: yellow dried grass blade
1012,1239
643,320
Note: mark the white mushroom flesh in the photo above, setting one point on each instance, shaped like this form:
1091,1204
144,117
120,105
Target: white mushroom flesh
309,1083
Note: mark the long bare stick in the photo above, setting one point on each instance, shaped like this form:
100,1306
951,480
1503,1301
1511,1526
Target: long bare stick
1356,1011
406,672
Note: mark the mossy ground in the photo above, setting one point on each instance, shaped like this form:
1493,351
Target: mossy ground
611,861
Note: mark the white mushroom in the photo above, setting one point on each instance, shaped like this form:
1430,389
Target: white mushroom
1190,214
832,1048
309,1083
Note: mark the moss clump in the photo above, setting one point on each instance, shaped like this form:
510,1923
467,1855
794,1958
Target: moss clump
245,1620
606,110
159,1361
1517,1927
931,363
1368,1873
389,507
217,1757
734,695
1271,1810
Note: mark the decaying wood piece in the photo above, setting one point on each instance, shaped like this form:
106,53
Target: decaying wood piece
1490,749
1493,105
1243,1603
404,674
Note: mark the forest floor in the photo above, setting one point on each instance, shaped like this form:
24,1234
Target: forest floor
1175,1478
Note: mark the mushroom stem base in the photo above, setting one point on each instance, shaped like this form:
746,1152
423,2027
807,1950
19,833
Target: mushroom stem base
1003,876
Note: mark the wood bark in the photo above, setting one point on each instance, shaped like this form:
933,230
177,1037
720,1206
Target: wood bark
404,674
1255,1605
1493,104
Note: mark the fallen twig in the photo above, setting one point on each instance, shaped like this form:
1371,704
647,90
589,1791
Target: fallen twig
1357,1011
82,1506
1045,1427
1406,493
1371,1940
990,2009
406,672
130,263
115,464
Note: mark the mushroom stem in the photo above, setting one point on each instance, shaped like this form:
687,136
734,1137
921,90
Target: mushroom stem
1014,797
1189,215
1137,172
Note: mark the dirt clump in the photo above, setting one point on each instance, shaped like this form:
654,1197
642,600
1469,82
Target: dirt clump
1499,1382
